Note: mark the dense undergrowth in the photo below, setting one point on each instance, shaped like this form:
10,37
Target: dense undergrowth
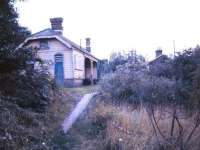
144,106
30,102
153,106
29,110
167,90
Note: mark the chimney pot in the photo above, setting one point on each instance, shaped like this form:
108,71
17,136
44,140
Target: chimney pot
158,52
88,47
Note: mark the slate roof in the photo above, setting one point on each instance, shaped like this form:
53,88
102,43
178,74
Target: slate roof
49,32
158,59
45,32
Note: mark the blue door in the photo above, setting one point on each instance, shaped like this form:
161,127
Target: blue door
59,73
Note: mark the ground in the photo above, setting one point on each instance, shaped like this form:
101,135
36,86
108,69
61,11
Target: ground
105,125
71,96
95,129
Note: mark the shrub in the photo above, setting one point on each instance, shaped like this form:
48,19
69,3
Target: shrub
176,92
26,94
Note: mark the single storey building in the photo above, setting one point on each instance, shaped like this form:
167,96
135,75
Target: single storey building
69,63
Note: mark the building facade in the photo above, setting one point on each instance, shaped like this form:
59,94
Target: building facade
68,62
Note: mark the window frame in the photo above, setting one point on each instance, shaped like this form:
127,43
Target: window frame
44,44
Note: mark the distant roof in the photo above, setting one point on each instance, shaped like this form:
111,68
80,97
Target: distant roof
45,32
157,59
49,33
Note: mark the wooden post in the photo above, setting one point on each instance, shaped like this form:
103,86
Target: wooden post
92,72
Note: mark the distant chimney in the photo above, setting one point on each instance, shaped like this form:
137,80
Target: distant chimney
56,24
88,48
158,52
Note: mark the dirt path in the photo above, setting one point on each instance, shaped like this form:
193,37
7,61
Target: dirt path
80,107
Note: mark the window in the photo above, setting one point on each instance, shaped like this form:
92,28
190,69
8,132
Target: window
58,58
44,44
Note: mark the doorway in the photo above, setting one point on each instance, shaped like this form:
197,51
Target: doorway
59,71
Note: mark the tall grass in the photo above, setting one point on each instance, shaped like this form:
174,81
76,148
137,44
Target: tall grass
127,128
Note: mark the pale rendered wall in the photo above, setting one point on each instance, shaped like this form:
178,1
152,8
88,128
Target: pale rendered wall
56,47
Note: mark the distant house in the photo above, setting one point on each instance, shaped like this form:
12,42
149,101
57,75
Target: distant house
160,58
160,66
70,63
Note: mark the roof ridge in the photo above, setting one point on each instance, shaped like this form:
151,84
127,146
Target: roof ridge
42,31
157,58
62,37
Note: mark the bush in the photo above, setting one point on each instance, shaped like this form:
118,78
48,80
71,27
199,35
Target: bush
133,83
27,117
159,91
22,128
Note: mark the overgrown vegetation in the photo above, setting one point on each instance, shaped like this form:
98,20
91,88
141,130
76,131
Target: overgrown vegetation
29,99
150,106
168,91
142,105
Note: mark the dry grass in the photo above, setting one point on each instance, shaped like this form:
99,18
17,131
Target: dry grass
122,127
68,98
62,108
125,128
82,90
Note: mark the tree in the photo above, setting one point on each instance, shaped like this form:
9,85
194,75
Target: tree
120,59
28,86
116,59
168,91
11,33
26,94
103,68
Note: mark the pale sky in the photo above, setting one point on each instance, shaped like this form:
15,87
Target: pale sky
115,25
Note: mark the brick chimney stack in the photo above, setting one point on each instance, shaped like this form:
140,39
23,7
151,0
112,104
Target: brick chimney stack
158,52
56,24
88,47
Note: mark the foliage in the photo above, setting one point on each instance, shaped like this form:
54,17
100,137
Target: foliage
103,68
117,60
11,33
161,67
186,73
21,128
28,96
115,127
168,85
